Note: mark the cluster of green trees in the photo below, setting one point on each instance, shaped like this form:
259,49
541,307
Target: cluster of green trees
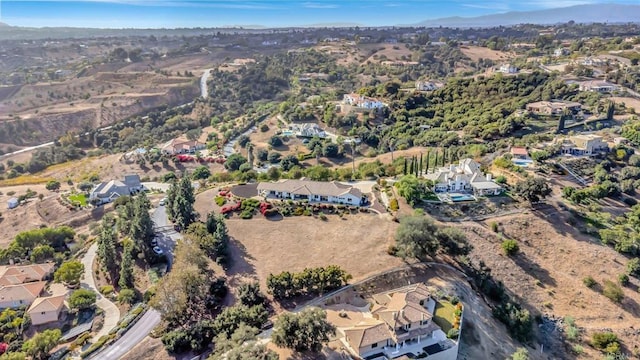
305,331
180,200
42,244
420,238
311,281
191,292
625,234
212,237
198,336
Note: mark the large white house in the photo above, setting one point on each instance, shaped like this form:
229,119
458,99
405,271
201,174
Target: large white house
427,85
399,323
106,192
597,86
464,177
319,191
508,69
363,102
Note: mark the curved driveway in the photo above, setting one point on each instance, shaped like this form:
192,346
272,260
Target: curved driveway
111,312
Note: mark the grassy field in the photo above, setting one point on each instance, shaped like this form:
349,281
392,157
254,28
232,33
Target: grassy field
80,198
444,315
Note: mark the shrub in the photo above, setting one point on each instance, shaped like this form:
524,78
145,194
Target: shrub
106,290
323,217
393,204
572,333
275,141
127,296
220,200
510,247
453,333
176,341
623,279
613,291
246,214
494,227
589,282
633,267
82,299
264,127
601,340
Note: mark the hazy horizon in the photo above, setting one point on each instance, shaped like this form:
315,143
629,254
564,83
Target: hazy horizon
269,13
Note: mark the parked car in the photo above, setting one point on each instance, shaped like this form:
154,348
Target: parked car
157,250
154,242
163,201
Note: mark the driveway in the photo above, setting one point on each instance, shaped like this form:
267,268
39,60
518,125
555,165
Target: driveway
164,187
167,238
111,312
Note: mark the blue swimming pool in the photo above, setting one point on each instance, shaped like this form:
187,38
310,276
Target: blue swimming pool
522,162
462,197
287,132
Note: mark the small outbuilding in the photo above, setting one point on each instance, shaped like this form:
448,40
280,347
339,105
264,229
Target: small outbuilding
13,203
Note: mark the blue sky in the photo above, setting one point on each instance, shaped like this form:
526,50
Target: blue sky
273,13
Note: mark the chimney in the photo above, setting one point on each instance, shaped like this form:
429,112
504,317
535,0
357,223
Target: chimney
452,167
395,315
488,177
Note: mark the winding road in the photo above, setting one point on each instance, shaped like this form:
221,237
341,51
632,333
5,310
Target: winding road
204,92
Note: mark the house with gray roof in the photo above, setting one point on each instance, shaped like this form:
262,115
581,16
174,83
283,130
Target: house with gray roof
464,177
316,191
106,192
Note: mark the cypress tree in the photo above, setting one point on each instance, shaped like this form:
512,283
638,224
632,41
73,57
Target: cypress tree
404,170
420,169
426,168
126,267
435,163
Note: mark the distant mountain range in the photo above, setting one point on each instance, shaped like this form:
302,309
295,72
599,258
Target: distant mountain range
591,13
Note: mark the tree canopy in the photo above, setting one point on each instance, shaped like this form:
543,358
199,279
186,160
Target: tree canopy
307,330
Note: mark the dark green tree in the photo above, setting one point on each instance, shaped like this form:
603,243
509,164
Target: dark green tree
307,330
533,189
183,213
126,267
107,254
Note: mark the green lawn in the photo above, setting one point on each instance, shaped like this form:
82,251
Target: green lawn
444,315
79,198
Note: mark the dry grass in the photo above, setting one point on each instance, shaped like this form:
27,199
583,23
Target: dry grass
629,102
476,52
547,274
358,244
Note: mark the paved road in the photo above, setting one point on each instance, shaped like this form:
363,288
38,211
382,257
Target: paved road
131,338
204,92
167,238
111,312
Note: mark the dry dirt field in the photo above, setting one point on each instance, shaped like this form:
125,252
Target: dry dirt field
262,246
477,52
358,243
547,273
629,102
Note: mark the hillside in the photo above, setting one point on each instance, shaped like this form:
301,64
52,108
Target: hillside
590,13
